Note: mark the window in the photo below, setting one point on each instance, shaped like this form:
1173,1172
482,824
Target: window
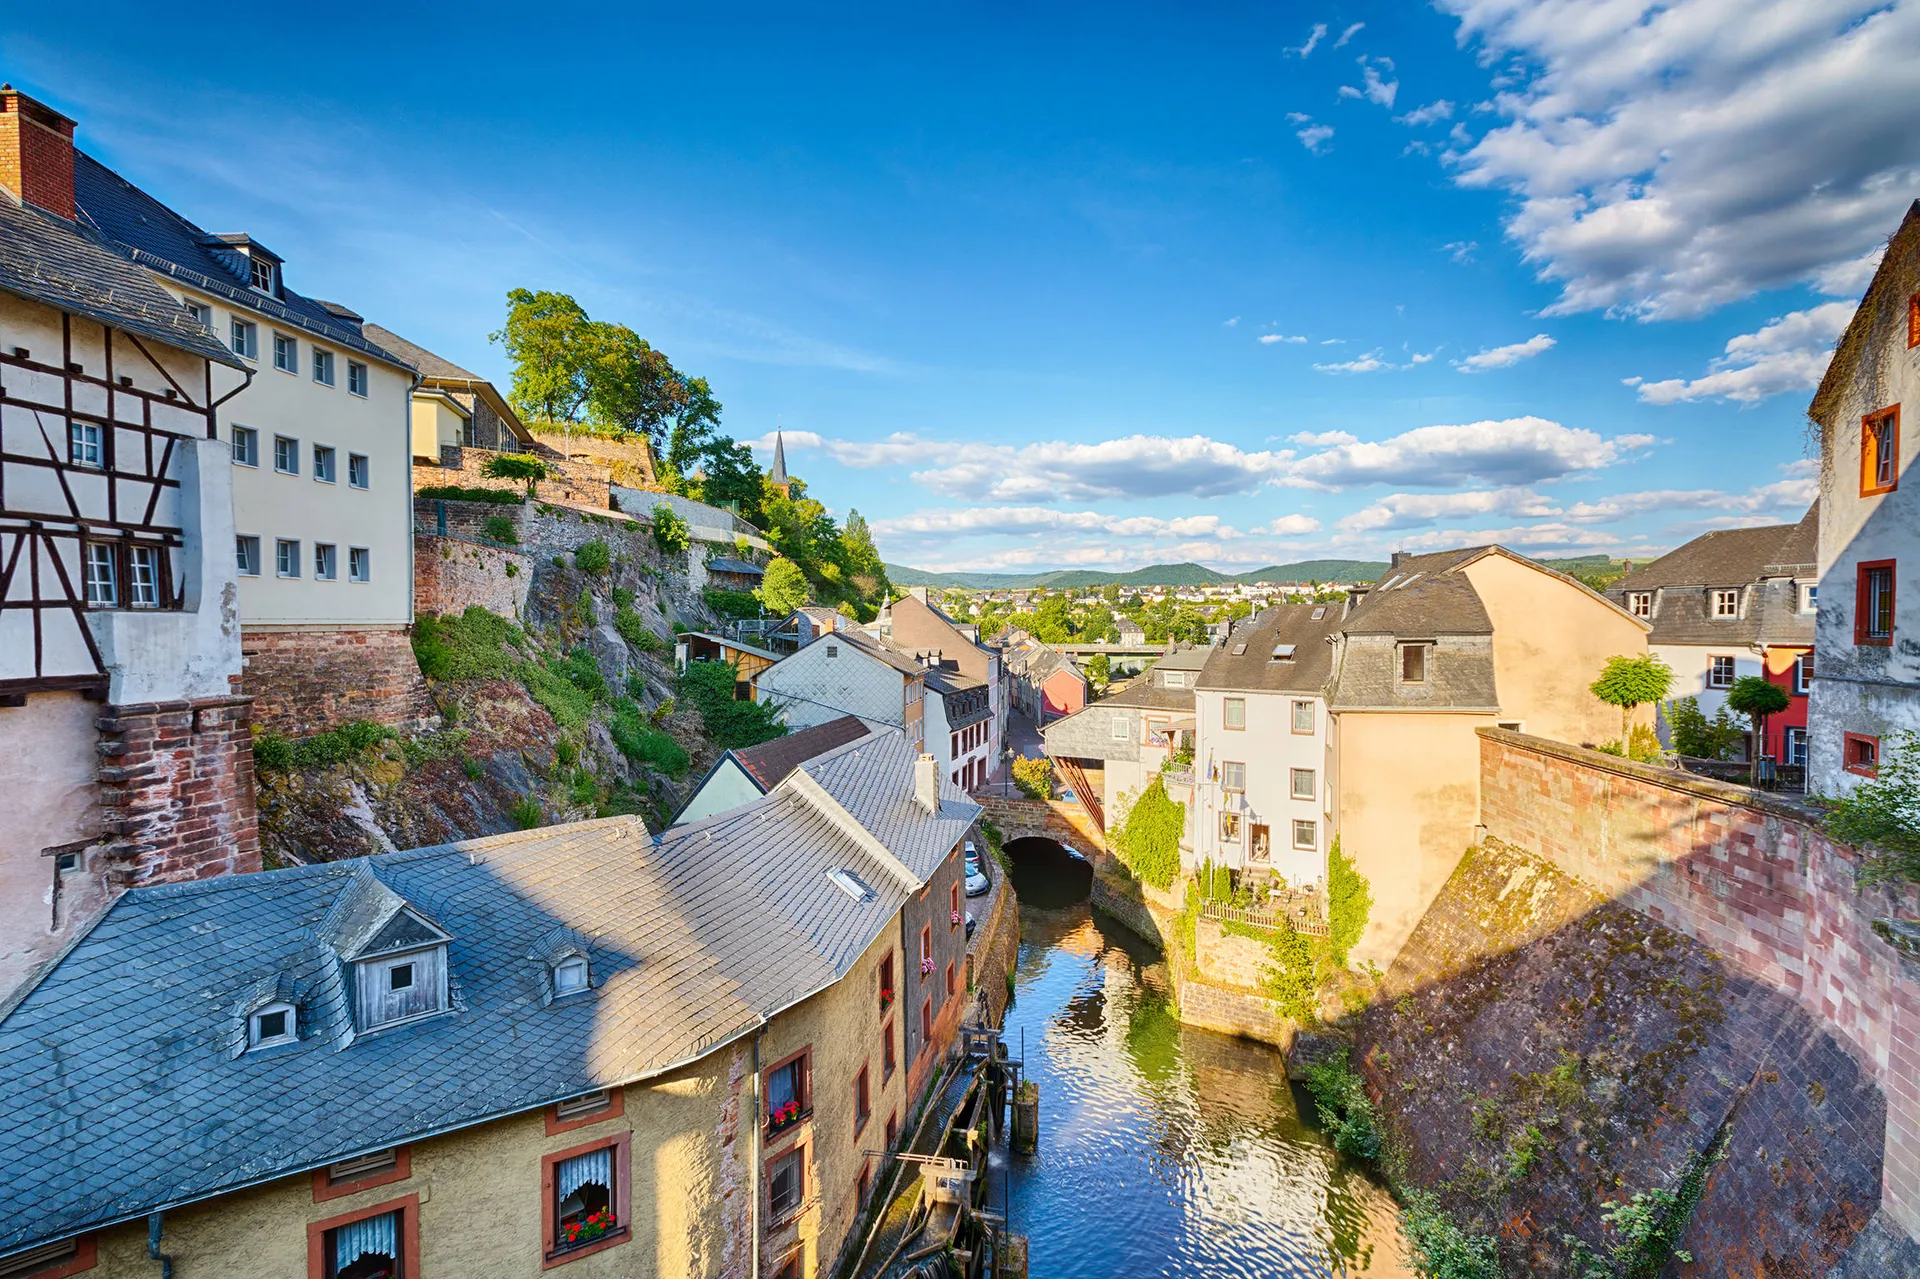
1795,747
246,550
399,988
286,353
324,565
789,1097
359,564
103,576
1862,755
926,951
952,981
1233,776
273,1024
1174,679
1413,663
1233,712
1303,717
199,311
785,1185
362,1172
570,976
358,472
886,982
1880,452
369,1244
1306,834
245,340
587,1103
1726,604
260,271
833,650
286,455
83,443
1803,674
1229,828
246,446
889,1060
1122,731
1303,783
323,463
143,577
862,1101
1640,603
953,906
357,378
584,1209
323,367
1873,603
286,558
926,1022
1719,672
893,1129
1809,598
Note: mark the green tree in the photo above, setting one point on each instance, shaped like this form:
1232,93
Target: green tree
630,386
515,466
670,532
733,477
1629,682
1100,670
784,588
1756,698
731,721
1696,735
547,337
694,427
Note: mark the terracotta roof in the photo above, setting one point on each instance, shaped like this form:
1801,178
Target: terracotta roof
769,763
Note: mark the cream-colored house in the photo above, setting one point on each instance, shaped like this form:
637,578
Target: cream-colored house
1444,644
318,419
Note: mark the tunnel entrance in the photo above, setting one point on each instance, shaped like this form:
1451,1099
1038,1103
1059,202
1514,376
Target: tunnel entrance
1048,874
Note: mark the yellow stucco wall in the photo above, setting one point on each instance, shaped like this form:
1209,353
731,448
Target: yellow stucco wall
434,423
1408,800
1550,639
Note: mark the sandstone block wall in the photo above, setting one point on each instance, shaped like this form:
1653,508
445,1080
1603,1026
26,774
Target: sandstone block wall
308,682
1752,879
450,574
177,790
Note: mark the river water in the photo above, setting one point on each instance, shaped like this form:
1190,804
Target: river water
1164,1150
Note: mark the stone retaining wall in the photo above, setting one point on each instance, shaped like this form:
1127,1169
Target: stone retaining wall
1231,960
308,682
435,515
450,574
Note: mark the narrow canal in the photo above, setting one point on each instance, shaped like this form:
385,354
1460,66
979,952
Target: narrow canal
1164,1150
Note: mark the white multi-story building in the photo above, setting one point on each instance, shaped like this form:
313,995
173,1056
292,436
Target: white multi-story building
849,673
318,421
1867,687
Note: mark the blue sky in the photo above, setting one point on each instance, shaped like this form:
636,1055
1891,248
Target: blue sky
1559,273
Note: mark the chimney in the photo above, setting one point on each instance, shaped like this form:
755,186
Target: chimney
926,783
1355,596
1397,557
36,153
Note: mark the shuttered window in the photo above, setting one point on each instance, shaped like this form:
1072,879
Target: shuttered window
399,987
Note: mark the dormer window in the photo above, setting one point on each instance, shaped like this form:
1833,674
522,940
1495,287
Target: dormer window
1726,604
570,975
1640,603
397,988
261,272
270,1025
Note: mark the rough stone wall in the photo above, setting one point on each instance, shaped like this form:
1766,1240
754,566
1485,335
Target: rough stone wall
176,785
1049,819
1541,1052
1223,957
432,515
1752,879
994,951
308,682
450,574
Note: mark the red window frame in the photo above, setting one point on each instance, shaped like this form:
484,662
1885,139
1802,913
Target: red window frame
325,1189
616,1106
926,944
1851,740
408,1206
893,1129
1862,574
953,907
888,988
926,1023
799,1156
805,1058
622,1145
862,1099
889,1059
950,991
1872,426
86,1255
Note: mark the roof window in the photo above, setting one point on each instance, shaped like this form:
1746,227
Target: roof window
570,975
851,884
1239,650
1319,613
1283,652
272,1024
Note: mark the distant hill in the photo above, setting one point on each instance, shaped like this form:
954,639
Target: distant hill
1152,575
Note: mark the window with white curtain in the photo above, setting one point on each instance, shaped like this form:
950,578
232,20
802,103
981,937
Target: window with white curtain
365,1249
583,1199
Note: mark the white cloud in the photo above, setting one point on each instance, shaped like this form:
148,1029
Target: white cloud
1022,520
1788,354
1295,525
1333,341
1500,357
1368,363
1268,339
1349,34
1786,498
1429,114
1507,452
1314,38
1230,323
1138,466
1670,156
1323,439
1314,137
1372,87
1423,357
1460,250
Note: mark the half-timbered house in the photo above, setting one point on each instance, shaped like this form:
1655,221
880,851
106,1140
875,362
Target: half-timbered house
125,757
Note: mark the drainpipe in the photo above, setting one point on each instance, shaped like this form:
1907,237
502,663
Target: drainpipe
753,1165
153,1245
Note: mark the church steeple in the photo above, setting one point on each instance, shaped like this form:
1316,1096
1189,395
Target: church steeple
777,475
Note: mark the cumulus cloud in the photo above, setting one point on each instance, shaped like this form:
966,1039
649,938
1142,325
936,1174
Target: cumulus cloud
1787,354
1020,520
1417,510
1230,323
1138,466
1373,87
1314,137
1368,363
1314,37
1295,525
1500,357
1349,34
1507,452
1429,114
1268,339
1670,156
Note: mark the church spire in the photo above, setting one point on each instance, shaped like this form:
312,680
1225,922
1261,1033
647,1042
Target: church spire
778,473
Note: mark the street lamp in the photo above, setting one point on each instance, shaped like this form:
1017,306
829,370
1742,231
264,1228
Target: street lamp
1006,753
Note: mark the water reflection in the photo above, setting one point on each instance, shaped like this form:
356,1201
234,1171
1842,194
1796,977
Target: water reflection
1166,1150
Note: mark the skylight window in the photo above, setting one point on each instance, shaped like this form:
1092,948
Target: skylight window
1239,650
1319,613
1283,652
851,884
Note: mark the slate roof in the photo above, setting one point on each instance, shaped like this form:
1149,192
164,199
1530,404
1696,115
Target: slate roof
874,648
727,564
46,259
156,237
695,937
1421,597
769,763
431,366
1761,563
1142,693
1245,662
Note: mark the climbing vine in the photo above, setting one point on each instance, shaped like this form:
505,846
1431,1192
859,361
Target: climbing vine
1349,902
1149,841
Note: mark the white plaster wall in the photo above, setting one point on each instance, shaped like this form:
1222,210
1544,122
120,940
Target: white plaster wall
728,788
1270,749
1690,665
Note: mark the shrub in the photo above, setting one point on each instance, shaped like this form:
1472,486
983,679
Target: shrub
499,528
1034,777
527,813
550,684
729,723
635,632
1148,842
1883,811
670,532
1349,900
1440,1248
731,603
1293,975
639,740
1345,1111
1643,745
472,645
515,466
473,768
1696,735
593,557
460,493
271,751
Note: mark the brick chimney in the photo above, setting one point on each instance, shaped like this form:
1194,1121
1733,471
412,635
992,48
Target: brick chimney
36,152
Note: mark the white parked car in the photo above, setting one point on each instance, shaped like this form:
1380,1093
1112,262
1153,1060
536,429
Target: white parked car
977,881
